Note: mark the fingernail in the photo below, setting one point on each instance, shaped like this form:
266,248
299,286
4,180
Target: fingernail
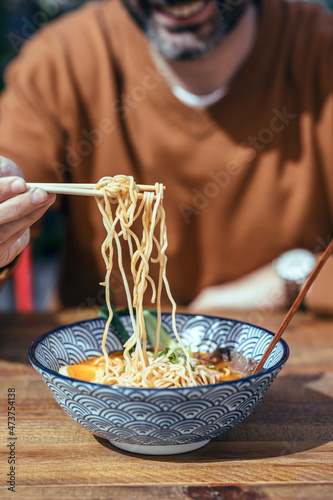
18,186
39,196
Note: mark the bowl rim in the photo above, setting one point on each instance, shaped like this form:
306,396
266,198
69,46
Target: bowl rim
95,385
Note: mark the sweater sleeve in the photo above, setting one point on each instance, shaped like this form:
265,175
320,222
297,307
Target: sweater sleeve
32,111
31,134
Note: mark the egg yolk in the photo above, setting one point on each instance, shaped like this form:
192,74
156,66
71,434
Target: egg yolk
82,372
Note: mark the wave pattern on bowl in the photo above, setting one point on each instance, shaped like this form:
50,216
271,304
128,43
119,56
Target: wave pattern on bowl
157,417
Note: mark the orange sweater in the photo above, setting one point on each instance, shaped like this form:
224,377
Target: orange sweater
248,178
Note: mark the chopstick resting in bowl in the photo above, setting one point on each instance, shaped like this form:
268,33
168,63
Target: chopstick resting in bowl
78,189
297,302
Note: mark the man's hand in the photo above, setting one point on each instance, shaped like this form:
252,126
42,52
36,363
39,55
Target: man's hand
20,207
262,289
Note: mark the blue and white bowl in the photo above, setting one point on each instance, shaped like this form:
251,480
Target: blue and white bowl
157,421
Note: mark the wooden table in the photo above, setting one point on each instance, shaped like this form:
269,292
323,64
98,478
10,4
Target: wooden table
283,450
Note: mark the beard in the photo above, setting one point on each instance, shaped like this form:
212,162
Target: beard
190,40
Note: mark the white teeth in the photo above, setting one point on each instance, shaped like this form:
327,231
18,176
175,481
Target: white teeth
186,10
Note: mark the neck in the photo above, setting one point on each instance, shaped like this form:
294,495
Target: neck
217,68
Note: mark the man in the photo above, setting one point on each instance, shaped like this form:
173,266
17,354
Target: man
228,103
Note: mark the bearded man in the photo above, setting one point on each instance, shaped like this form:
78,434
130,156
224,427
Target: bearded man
229,103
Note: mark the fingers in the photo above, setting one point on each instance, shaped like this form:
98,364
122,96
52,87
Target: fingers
8,168
9,242
11,179
22,205
20,242
14,236
11,186
9,230
16,216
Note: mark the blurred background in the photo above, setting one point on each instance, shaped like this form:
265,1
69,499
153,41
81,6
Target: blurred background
21,19
32,286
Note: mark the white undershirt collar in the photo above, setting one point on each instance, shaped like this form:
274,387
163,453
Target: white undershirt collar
199,101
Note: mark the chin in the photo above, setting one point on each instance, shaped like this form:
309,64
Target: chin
183,46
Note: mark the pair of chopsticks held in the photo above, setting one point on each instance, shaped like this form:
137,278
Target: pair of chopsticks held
78,189
87,190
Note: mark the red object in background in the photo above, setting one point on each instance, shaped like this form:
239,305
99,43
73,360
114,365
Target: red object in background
23,286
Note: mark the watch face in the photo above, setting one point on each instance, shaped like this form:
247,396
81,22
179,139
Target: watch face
295,265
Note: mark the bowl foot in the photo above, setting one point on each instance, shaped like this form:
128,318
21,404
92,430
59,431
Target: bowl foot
159,450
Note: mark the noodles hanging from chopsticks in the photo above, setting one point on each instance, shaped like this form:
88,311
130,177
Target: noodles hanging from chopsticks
122,204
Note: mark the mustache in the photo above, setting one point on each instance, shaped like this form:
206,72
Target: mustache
232,4
228,5
141,10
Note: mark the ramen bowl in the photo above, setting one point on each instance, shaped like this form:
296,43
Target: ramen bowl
157,421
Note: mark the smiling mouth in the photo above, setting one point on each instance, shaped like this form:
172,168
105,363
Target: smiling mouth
184,14
185,10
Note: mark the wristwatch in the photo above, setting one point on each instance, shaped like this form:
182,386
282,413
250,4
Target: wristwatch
294,267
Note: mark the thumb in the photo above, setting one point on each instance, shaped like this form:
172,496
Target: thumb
9,169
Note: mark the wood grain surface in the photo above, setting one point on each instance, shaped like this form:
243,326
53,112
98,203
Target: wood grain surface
284,450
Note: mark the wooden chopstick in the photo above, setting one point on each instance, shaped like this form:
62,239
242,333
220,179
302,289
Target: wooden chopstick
79,189
59,189
295,305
